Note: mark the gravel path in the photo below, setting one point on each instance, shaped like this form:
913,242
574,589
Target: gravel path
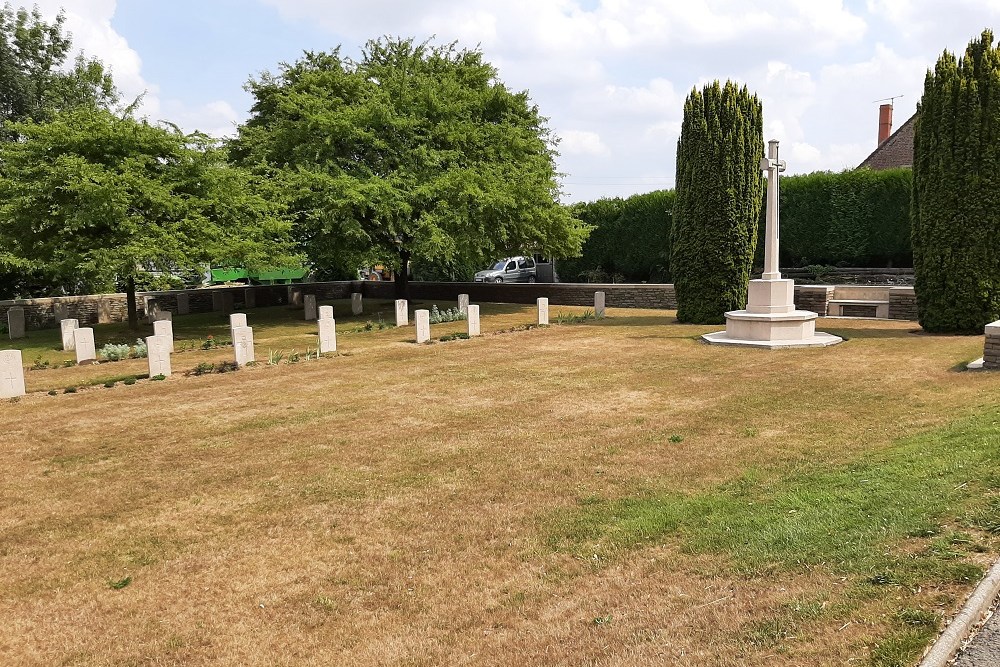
984,651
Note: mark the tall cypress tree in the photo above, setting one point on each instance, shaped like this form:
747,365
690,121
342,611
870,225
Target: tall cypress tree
719,195
955,214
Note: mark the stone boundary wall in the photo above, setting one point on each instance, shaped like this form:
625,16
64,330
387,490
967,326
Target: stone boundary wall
991,350
902,303
105,308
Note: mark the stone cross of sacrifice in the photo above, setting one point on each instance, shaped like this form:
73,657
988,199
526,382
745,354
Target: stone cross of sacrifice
773,166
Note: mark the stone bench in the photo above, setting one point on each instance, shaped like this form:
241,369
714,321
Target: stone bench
858,308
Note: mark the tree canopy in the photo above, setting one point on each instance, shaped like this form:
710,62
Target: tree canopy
34,82
413,150
106,197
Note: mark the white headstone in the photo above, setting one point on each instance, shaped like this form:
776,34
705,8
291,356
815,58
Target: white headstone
236,321
11,374
357,307
15,322
543,310
68,327
326,312
165,328
158,355
463,303
243,345
309,303
473,317
84,342
402,313
599,304
423,318
327,335
184,304
163,316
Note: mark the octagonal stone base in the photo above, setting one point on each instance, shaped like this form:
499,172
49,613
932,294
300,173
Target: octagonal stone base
773,330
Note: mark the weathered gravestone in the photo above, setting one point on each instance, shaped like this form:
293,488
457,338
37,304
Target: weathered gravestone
165,329
423,318
402,313
327,335
15,322
473,318
309,306
599,304
68,327
295,296
158,350
60,311
543,310
463,303
104,315
86,351
243,346
236,321
357,307
11,374
184,304
153,309
223,301
326,312
250,298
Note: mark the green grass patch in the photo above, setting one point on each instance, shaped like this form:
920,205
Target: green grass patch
844,517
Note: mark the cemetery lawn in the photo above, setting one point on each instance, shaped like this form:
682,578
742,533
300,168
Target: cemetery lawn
606,492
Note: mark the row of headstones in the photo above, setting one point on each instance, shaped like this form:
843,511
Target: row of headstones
160,345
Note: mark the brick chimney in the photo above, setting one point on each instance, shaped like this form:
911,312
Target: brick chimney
884,123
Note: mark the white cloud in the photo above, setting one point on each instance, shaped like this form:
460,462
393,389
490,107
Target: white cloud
582,142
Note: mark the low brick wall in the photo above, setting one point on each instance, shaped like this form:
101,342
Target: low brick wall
902,303
991,351
103,308
815,298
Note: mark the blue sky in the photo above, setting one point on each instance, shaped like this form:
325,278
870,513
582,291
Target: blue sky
611,75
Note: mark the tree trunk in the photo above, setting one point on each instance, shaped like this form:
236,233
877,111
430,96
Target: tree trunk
133,312
402,276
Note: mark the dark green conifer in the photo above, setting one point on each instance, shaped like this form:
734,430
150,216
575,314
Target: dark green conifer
719,196
955,213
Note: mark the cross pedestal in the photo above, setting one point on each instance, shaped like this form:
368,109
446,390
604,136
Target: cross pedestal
770,319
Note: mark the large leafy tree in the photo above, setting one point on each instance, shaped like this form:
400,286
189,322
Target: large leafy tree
719,196
107,198
955,214
411,151
35,81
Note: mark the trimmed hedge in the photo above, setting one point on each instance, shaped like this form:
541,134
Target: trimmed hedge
858,218
630,241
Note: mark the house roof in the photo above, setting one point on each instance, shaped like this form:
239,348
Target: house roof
896,151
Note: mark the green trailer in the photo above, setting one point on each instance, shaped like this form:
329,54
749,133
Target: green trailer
276,277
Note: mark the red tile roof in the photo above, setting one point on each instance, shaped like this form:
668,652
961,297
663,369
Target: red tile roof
897,151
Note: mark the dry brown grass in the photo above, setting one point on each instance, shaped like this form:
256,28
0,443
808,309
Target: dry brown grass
388,507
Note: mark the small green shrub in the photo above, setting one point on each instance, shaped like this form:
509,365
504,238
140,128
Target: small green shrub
53,392
448,315
140,351
114,352
209,343
118,584
203,368
226,367
454,336
676,438
157,378
129,381
69,363
69,390
40,364
109,385
562,318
